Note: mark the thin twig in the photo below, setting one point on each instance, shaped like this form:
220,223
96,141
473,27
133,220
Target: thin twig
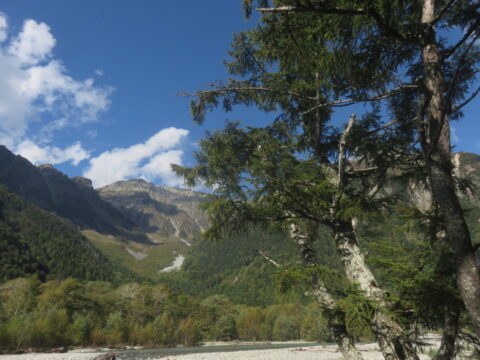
347,102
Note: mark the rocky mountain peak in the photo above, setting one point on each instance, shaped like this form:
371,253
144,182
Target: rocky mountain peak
159,210
83,182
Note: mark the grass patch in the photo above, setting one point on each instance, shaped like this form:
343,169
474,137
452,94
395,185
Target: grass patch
152,257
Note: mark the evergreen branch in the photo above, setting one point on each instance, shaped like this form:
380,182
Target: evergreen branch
289,30
333,10
449,95
369,12
248,89
471,97
456,73
442,12
386,126
347,102
449,52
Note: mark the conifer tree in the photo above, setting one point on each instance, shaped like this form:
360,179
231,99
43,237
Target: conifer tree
306,59
414,44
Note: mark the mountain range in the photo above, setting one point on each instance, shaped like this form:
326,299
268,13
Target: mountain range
134,228
133,223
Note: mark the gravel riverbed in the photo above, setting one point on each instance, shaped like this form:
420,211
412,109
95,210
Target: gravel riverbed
321,352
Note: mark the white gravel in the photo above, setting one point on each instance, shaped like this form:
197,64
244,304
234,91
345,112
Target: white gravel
52,356
322,352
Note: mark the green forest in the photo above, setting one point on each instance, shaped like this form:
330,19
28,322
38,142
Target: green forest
69,312
34,241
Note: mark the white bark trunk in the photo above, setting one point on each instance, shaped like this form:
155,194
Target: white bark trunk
324,297
390,336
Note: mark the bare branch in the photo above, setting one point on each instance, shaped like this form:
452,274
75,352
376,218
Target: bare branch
347,102
471,97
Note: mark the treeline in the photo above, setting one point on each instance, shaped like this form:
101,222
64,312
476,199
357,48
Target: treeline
72,313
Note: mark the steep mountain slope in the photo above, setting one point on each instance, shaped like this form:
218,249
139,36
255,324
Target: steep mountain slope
34,241
170,217
159,210
74,199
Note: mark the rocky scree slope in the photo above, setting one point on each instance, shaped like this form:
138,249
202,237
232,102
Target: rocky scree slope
162,212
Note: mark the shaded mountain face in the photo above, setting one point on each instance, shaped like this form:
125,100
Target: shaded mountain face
74,199
34,241
158,210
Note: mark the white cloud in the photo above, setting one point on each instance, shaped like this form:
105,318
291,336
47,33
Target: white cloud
3,27
52,154
36,87
34,43
149,160
159,168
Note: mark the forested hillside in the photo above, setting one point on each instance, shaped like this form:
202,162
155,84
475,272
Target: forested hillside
36,242
237,266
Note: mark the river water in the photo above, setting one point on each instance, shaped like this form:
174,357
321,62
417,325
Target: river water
145,354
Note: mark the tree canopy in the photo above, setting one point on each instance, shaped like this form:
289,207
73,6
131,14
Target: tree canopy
407,67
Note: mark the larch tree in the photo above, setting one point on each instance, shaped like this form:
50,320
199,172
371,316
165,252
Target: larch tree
303,61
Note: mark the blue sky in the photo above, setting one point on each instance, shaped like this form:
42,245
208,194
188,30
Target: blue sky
92,86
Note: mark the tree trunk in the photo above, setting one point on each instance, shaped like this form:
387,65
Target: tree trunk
336,326
394,343
438,159
324,297
450,332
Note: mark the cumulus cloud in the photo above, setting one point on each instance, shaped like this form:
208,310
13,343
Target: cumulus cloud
52,154
34,43
36,87
149,160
